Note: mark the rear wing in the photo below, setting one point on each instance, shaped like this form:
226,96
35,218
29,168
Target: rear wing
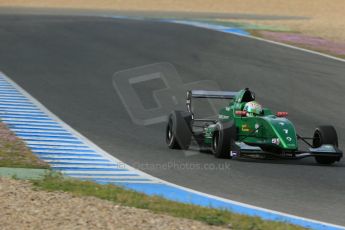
207,94
211,94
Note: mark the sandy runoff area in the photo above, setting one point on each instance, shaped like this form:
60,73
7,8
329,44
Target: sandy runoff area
324,19
22,207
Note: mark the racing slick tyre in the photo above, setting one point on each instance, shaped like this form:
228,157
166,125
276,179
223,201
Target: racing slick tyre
178,130
325,135
223,137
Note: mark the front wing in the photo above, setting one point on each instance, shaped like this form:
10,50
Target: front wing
324,150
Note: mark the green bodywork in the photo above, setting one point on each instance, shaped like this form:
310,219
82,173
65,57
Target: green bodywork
267,130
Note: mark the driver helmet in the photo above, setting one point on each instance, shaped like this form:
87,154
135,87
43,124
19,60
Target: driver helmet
253,108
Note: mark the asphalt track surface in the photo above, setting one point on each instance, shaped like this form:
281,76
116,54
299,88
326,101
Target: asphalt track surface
146,14
67,63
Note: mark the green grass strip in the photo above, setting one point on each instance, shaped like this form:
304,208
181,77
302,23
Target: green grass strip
14,153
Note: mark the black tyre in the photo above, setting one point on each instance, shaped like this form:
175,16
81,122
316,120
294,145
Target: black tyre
178,130
325,135
223,137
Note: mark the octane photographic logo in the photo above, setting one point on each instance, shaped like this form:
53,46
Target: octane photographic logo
149,93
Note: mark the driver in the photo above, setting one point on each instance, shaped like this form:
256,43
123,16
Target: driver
253,109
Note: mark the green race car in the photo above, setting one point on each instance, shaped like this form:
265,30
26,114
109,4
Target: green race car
244,128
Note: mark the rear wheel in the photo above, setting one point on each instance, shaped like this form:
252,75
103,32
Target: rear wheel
178,130
325,135
222,139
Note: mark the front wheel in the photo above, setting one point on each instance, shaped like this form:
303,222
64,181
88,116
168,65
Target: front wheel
325,135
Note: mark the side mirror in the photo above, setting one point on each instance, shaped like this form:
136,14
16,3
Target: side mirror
241,113
253,95
282,114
